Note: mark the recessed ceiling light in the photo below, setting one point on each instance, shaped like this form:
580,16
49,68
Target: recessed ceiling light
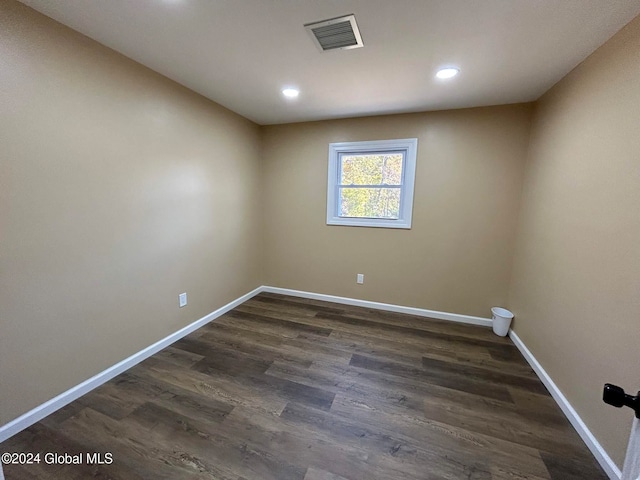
291,92
448,72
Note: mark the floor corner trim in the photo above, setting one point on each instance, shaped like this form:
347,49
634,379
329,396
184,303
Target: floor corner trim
38,413
600,454
420,312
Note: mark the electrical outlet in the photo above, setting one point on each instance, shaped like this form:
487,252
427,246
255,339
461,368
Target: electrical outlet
360,278
182,299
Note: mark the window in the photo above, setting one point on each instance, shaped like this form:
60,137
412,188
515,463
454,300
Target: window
371,183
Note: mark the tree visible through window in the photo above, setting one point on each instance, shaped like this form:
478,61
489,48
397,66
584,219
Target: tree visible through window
371,183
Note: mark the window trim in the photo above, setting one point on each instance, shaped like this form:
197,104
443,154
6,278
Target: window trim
409,146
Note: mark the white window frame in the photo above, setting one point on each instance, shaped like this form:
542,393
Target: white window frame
407,146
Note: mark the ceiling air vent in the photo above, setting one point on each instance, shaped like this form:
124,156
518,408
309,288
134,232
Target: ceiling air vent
336,33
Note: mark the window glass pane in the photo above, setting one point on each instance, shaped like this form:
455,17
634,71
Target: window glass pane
369,202
380,169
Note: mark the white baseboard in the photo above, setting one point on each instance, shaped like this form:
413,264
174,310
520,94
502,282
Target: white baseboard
605,461
421,312
47,408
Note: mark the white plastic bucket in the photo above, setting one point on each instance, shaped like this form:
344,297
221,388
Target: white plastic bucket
501,321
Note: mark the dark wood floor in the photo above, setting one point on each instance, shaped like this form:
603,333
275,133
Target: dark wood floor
287,388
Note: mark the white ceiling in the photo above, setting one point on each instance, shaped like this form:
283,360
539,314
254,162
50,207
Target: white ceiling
241,53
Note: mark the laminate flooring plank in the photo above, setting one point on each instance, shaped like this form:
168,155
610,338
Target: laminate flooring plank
223,388
180,399
543,410
197,406
407,345
59,416
304,448
179,357
119,397
491,376
347,380
503,421
259,324
409,331
412,353
374,330
282,320
304,301
438,377
226,359
131,452
477,359
317,348
499,473
29,472
233,332
506,354
444,463
289,350
423,323
288,304
416,337
318,474
205,441
363,384
388,317
562,467
39,439
317,448
337,345
288,390
149,452
508,456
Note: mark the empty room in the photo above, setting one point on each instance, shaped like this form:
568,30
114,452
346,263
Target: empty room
320,239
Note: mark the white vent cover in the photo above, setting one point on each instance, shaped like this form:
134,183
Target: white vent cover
336,33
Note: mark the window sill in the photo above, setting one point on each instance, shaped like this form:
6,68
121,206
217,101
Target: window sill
368,222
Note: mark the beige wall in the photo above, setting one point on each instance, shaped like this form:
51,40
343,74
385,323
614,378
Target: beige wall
118,190
576,283
457,256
